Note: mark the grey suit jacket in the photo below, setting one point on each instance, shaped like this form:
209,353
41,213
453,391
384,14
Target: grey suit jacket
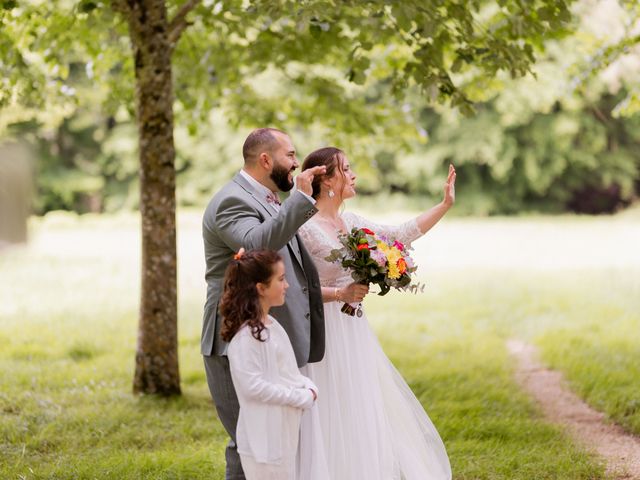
235,218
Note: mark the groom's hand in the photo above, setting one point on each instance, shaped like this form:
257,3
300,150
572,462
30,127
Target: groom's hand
304,179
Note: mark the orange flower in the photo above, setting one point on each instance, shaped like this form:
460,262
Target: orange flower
363,246
402,266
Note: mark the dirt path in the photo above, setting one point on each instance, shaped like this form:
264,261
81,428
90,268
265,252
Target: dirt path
620,450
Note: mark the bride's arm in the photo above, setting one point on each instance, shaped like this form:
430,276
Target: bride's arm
418,226
352,293
428,219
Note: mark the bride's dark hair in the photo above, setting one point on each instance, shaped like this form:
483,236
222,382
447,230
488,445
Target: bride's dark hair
330,157
240,300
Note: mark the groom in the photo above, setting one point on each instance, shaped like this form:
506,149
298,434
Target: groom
247,213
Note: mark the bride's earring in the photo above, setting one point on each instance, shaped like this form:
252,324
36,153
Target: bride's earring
331,194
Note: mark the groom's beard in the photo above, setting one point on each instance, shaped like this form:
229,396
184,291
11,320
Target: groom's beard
280,176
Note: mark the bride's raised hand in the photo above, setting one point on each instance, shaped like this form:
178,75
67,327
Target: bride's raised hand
450,187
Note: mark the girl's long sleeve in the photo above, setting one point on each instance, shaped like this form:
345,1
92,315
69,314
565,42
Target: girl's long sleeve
249,363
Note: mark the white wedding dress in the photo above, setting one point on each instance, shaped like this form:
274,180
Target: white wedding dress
373,426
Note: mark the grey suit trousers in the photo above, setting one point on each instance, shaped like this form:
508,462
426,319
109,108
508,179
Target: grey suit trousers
228,408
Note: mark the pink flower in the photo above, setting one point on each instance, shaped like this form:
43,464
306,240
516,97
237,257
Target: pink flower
398,245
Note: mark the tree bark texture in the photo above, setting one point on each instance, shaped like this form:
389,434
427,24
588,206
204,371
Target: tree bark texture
156,369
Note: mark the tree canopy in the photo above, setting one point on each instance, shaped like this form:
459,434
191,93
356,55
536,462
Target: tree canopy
321,53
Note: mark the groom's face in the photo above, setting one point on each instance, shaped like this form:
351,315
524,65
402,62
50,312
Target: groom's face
284,163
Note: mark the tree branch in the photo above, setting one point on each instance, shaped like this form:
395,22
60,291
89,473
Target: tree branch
600,115
179,22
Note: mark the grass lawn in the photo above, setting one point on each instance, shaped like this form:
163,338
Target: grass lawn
68,316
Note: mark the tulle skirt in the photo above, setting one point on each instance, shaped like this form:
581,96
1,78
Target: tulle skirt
373,427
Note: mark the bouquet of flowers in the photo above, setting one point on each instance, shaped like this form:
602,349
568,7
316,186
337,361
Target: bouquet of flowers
375,259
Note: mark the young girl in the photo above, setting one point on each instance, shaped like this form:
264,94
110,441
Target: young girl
271,391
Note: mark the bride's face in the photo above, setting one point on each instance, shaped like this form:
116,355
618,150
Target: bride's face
343,182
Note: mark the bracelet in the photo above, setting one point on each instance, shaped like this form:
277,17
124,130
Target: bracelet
335,294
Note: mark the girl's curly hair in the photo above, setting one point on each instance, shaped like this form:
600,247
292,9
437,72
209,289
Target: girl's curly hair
240,301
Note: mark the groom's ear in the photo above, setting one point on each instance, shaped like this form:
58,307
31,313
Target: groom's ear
265,160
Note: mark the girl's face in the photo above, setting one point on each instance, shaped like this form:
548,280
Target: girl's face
343,182
272,293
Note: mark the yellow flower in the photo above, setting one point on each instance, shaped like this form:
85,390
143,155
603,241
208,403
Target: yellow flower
394,272
393,255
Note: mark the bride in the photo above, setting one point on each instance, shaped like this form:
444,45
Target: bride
373,427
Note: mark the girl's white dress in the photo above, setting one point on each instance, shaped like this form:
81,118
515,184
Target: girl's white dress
373,426
272,394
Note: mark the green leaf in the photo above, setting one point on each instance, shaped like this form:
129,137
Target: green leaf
87,6
457,65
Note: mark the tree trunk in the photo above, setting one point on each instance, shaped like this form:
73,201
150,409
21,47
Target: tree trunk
157,348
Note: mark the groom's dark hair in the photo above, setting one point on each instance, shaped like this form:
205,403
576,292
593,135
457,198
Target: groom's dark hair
258,141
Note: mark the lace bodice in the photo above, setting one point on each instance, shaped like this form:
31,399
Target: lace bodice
320,242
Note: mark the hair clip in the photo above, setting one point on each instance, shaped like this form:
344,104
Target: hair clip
238,255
